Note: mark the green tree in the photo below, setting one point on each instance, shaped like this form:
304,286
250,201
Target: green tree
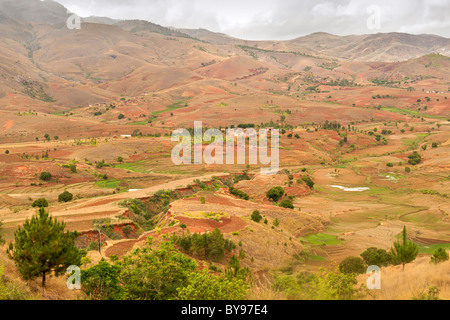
439,255
275,193
40,203
414,158
41,246
377,257
308,181
45,176
101,282
238,193
234,269
155,274
73,167
333,285
406,251
286,203
66,196
352,265
205,286
256,216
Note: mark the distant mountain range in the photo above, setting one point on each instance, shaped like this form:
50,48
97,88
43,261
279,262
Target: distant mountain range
42,61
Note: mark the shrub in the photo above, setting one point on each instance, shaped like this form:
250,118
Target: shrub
238,193
308,181
352,265
275,193
414,158
276,222
66,196
210,246
102,282
73,168
202,200
286,204
407,169
93,246
45,176
389,164
439,255
202,285
127,230
120,116
256,216
434,145
377,257
40,203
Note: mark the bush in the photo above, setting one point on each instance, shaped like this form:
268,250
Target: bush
308,181
45,176
286,204
66,196
389,164
434,145
202,285
127,230
414,158
101,282
210,246
93,246
120,116
238,193
352,265
275,193
377,257
202,200
256,216
440,255
40,203
407,169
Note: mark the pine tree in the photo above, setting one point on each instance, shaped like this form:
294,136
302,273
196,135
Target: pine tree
405,251
41,247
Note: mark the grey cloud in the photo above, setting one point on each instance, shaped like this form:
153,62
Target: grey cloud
277,19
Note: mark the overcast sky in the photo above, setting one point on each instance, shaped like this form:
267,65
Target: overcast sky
279,19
